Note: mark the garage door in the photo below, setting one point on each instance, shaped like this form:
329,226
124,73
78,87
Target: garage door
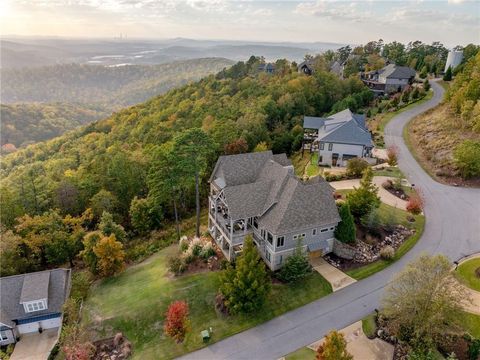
34,326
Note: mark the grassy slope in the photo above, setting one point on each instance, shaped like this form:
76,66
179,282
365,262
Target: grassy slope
431,137
301,354
400,216
136,301
369,326
466,273
471,324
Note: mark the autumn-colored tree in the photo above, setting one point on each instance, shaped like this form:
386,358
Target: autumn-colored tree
333,348
261,146
110,256
176,323
415,202
89,257
392,155
238,146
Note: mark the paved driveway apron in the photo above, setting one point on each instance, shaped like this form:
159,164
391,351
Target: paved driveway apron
35,346
452,228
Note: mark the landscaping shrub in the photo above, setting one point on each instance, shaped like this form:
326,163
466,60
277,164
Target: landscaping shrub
387,252
176,322
387,184
474,349
467,158
364,199
176,265
334,348
392,155
345,230
207,251
371,221
196,246
296,266
356,167
415,204
183,244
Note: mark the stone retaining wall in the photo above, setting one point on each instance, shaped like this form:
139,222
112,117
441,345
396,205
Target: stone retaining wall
342,250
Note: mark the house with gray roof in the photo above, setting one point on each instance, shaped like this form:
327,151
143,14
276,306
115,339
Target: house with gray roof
258,194
389,79
338,138
32,302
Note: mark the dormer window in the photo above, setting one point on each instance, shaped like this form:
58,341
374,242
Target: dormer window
33,306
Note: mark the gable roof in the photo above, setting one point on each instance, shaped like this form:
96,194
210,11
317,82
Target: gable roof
282,202
35,286
11,289
302,205
392,71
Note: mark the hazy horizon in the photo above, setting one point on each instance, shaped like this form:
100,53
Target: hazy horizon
453,22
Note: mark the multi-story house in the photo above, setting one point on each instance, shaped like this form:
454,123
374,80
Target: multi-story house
389,79
338,138
258,194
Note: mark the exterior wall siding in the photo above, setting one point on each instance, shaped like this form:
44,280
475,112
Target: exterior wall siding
340,149
10,337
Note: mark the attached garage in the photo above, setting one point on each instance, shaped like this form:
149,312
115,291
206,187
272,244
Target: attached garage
48,321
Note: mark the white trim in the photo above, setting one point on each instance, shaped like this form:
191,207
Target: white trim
37,305
2,338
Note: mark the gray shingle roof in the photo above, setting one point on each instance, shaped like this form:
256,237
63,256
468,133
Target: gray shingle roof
35,286
282,202
312,122
347,133
301,205
11,292
393,71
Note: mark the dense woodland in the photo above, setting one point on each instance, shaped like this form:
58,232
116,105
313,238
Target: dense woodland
148,164
111,86
24,124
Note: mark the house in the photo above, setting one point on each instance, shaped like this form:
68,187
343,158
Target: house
32,302
306,67
258,194
389,79
268,68
338,138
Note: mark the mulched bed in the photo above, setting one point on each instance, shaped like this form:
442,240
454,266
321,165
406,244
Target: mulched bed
400,193
113,348
200,265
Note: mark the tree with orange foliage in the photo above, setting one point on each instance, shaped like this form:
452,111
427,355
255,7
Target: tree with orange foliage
176,323
333,348
392,155
238,146
110,255
415,203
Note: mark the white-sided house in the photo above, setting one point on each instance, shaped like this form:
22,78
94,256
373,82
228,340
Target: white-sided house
339,138
258,194
32,302
389,79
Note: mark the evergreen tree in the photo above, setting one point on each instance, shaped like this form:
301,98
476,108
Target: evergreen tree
345,231
448,74
365,198
426,85
246,286
107,226
296,266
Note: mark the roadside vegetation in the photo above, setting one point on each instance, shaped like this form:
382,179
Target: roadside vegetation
446,140
468,273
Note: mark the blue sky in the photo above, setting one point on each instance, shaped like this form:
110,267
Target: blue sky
451,22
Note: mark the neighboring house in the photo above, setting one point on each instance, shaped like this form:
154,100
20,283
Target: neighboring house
338,138
389,79
258,194
306,67
268,68
30,302
337,68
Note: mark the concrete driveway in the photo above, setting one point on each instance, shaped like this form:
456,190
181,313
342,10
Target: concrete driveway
452,228
35,346
334,276
361,347
384,195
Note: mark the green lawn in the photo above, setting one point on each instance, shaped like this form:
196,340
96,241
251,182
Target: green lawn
471,324
301,354
401,218
312,168
466,273
369,325
135,302
391,171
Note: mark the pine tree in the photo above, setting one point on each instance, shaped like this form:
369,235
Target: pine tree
345,231
448,74
426,85
365,198
246,286
297,266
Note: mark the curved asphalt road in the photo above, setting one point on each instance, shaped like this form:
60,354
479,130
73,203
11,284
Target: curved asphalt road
452,228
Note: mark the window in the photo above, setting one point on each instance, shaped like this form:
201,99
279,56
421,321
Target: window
270,238
279,259
314,232
34,306
3,335
268,256
322,146
330,147
324,230
332,228
280,241
255,222
295,237
262,234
